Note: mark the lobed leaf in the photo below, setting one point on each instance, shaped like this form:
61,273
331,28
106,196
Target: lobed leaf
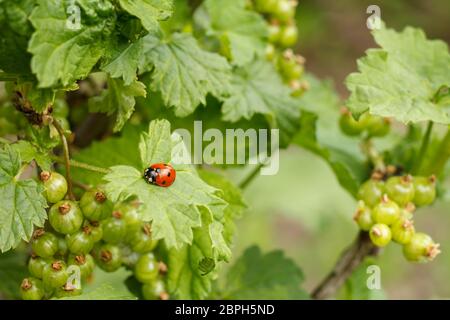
21,202
401,80
63,54
183,72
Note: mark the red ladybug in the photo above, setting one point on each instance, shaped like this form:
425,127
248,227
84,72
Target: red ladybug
160,174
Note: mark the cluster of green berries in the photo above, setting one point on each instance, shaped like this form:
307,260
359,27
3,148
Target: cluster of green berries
282,35
386,208
371,125
88,233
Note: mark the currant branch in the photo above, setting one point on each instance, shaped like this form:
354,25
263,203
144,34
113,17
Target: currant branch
349,260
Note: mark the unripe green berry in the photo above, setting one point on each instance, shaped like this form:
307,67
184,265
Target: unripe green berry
36,266
400,189
45,244
425,190
141,240
65,217
349,125
403,230
108,257
376,126
288,36
80,242
371,192
155,290
266,6
363,216
96,230
95,205
274,32
380,234
55,186
55,274
32,289
421,248
386,212
114,228
270,52
146,269
84,262
285,10
62,248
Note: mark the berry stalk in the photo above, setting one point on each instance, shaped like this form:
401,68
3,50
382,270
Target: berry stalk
66,152
423,148
440,157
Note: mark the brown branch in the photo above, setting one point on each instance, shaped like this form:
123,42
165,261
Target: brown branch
66,152
349,260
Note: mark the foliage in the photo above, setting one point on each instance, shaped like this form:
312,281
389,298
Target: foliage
95,90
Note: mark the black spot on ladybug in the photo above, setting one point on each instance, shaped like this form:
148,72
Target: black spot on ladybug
168,174
164,182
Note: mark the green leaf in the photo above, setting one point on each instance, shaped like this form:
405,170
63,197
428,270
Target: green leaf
21,202
106,286
149,11
356,288
232,195
174,211
118,98
62,55
184,73
242,32
28,152
264,276
125,62
12,270
109,152
16,30
186,278
258,89
181,17
320,134
401,79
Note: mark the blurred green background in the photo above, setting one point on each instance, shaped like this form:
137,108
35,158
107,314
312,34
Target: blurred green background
303,210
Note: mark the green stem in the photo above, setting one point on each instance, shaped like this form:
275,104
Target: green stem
437,163
251,176
372,154
82,165
89,167
66,152
423,148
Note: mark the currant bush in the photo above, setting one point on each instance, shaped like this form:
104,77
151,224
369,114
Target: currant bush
88,189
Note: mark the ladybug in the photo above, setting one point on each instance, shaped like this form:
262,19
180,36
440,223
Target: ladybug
160,174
